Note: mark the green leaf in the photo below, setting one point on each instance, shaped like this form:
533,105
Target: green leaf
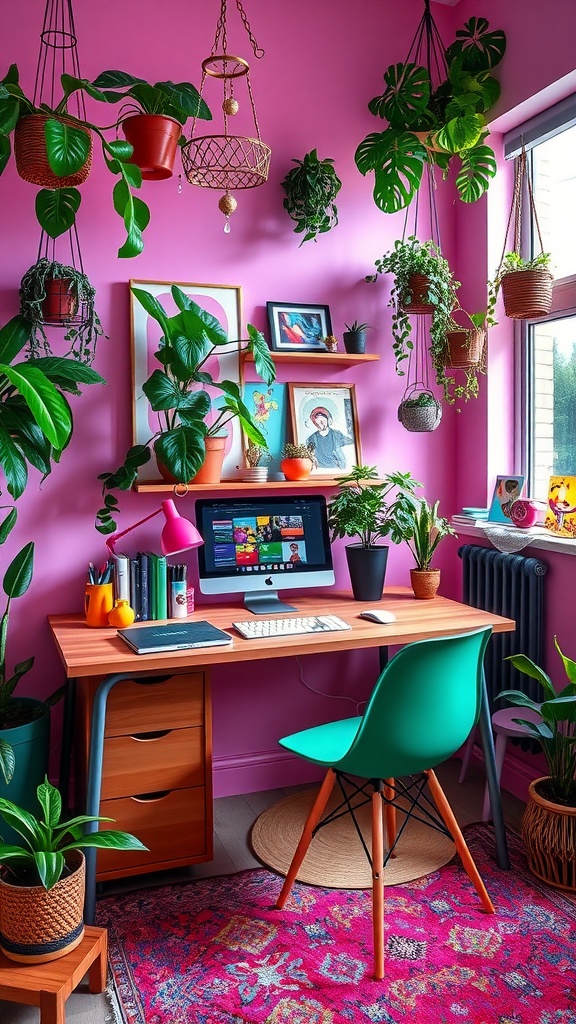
116,80
13,465
5,151
182,450
13,337
9,111
70,371
56,209
529,668
407,94
18,575
478,49
478,166
50,802
7,760
461,133
47,405
67,147
21,821
187,98
122,151
7,525
49,867
263,360
397,159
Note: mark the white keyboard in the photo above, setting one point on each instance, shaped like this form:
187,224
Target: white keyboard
255,629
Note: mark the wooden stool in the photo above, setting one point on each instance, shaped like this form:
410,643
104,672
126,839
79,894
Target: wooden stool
49,985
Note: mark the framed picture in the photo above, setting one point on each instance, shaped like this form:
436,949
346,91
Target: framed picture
295,327
268,408
561,512
325,417
506,490
224,302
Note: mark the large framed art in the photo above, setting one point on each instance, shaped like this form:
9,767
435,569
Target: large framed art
324,416
222,301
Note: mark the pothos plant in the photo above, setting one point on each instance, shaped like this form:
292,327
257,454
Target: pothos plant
176,391
512,263
434,123
311,188
83,335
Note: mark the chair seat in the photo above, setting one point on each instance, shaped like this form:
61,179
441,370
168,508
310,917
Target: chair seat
323,744
502,721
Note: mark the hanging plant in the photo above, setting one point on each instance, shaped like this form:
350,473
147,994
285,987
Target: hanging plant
435,121
311,188
52,294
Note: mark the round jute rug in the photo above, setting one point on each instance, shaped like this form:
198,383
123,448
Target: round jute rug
336,857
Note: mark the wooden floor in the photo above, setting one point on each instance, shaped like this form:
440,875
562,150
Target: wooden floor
233,818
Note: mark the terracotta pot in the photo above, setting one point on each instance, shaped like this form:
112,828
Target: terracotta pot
296,469
210,471
549,834
527,294
61,302
155,141
39,925
32,159
418,291
425,583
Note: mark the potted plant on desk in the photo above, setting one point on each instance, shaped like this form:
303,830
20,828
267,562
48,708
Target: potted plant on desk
427,529
42,878
370,509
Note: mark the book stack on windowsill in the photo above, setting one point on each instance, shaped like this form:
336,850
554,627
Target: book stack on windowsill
470,517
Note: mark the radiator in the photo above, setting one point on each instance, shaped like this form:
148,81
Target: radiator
509,585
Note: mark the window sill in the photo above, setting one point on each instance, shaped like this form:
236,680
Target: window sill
537,537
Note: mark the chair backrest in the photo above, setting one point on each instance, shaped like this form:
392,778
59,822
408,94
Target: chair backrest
422,709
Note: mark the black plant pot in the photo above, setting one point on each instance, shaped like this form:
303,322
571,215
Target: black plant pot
354,342
367,568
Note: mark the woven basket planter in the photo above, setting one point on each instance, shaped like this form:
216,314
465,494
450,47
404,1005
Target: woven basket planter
465,347
549,834
425,583
527,294
31,157
420,418
418,290
39,925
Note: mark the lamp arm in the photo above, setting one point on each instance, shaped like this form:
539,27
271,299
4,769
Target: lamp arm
113,540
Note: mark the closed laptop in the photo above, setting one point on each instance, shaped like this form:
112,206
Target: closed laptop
174,636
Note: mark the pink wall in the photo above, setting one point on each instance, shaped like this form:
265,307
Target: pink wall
323,62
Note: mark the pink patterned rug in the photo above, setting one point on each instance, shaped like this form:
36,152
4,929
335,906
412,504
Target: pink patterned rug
214,952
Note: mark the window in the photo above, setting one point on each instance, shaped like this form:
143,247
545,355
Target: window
548,365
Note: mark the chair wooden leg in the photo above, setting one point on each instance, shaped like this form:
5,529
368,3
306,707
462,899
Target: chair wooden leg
378,885
391,827
306,837
454,829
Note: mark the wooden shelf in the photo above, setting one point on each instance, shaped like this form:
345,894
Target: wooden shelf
161,487
337,358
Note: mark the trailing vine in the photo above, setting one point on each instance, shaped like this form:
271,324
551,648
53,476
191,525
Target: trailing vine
311,188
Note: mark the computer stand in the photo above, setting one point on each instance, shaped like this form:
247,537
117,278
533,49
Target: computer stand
266,602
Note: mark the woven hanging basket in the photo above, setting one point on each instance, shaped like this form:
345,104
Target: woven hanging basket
425,583
549,834
419,418
31,157
527,294
39,925
226,161
464,345
418,287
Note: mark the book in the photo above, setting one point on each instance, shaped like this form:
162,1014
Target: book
174,636
144,586
121,577
135,592
561,513
162,587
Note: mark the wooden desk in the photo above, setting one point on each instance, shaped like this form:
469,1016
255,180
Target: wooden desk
89,652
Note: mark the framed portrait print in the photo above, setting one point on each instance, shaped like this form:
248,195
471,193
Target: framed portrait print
325,417
223,302
295,327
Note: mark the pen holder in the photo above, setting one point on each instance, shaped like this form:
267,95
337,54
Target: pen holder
98,602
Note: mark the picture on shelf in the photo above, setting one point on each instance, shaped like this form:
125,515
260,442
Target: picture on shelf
561,512
267,407
506,490
324,417
295,327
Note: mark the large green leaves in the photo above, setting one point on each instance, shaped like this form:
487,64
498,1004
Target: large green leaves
477,49
47,405
56,209
406,96
478,167
182,450
67,146
461,133
397,159
262,359
18,575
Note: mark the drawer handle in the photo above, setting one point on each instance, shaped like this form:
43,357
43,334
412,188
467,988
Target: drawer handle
152,680
146,737
149,798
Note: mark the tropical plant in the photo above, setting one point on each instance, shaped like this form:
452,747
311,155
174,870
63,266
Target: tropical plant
168,99
432,123
403,260
556,729
311,188
40,859
512,263
177,394
427,530
83,333
370,508
35,417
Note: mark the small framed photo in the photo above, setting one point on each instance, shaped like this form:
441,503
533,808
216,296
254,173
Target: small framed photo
506,490
295,327
325,417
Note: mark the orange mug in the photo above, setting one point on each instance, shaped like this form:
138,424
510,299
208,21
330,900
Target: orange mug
98,603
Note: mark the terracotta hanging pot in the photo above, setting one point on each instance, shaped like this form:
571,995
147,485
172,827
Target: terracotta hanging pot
296,469
61,302
39,925
418,286
425,583
527,294
155,141
464,346
31,156
549,834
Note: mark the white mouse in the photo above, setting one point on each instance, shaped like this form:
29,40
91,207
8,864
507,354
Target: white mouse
383,617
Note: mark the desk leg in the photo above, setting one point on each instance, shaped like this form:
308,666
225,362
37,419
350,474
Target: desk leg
502,855
67,736
94,783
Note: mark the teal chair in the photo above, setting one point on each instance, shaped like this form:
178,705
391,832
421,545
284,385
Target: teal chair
422,709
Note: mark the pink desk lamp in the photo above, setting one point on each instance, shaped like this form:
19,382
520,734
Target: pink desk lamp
178,534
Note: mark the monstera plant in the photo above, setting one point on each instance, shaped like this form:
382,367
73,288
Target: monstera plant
436,123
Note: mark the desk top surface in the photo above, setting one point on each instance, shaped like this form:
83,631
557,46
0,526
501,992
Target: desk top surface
88,651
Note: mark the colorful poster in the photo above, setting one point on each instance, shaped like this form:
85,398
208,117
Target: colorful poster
268,408
561,513
506,490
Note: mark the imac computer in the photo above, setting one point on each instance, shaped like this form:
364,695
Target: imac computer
258,546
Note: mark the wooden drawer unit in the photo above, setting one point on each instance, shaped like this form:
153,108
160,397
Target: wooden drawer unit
156,771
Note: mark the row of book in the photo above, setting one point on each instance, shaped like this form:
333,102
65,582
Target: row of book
152,587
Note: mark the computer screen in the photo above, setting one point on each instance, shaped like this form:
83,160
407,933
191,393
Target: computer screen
257,546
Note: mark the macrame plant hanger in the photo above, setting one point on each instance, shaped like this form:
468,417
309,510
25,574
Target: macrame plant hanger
58,55
227,162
